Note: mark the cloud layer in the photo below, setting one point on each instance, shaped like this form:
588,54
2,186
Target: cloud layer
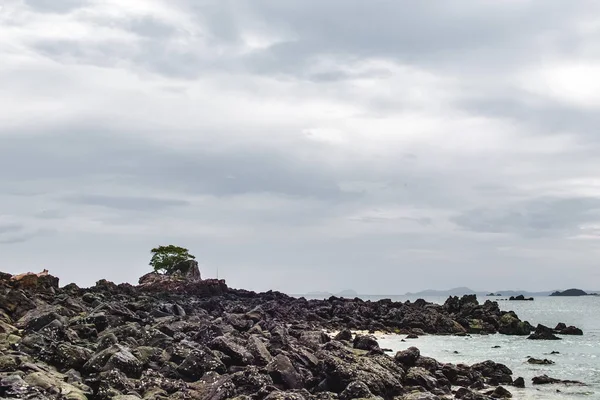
382,146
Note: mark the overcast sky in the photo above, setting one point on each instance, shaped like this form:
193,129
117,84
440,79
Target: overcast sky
383,146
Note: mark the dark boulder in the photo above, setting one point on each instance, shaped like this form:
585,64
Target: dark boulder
570,330
344,334
500,393
510,324
560,326
250,381
543,333
238,353
494,373
115,357
198,362
407,358
467,394
284,373
365,342
519,382
70,356
420,377
356,390
259,350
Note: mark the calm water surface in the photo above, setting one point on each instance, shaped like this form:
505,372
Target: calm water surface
579,357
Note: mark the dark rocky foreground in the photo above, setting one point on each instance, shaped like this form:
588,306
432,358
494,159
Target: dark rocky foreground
179,338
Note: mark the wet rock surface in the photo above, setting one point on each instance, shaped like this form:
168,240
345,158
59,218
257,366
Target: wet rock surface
181,337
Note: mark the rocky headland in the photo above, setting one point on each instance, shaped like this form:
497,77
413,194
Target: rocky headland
180,337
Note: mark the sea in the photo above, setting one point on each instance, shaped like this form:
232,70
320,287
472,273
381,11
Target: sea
578,358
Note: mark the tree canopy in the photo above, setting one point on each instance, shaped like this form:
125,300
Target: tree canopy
165,258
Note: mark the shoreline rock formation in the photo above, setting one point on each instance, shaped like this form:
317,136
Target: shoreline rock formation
180,337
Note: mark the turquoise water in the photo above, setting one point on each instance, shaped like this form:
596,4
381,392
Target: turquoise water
579,357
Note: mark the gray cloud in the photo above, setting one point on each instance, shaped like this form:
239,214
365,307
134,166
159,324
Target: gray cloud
539,217
302,146
10,228
62,6
127,202
17,233
224,172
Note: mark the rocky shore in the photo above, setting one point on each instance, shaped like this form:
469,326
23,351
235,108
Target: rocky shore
177,337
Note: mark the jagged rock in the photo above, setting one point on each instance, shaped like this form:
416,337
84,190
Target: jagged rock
563,329
238,353
408,358
70,356
500,393
356,390
39,317
116,356
543,333
250,381
495,373
510,324
344,334
417,376
259,350
198,362
283,372
365,342
467,394
519,382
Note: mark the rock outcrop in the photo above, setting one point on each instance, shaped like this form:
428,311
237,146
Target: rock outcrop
177,337
543,333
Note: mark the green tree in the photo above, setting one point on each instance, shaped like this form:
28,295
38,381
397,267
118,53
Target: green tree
165,258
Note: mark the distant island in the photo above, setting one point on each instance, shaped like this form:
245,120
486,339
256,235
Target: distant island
573,293
460,291
516,294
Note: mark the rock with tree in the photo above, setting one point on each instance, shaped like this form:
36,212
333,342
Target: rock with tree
174,260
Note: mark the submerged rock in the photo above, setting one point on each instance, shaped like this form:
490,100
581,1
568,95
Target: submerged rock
563,329
538,361
519,382
546,380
